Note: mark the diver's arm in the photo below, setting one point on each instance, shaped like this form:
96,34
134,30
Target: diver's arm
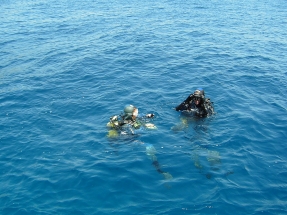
113,123
145,121
208,107
185,104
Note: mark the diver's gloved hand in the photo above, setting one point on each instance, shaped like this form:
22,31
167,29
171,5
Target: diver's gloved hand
150,115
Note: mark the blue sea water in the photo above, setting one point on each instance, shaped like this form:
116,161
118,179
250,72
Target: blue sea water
67,66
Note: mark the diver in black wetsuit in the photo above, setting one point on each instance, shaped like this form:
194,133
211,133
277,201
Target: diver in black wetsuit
197,104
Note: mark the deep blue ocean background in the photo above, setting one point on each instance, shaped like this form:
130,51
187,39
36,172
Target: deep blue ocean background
67,66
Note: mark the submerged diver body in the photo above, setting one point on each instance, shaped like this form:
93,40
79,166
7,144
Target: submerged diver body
197,104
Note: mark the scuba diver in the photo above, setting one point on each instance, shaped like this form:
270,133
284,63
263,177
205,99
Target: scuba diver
197,104
128,122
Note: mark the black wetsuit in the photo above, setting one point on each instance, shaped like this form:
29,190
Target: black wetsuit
203,109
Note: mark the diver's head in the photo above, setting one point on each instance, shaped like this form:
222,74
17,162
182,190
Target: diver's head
131,112
198,96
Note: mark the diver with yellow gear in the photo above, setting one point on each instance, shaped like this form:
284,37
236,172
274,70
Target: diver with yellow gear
128,122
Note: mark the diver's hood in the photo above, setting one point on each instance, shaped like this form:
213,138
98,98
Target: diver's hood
130,112
199,93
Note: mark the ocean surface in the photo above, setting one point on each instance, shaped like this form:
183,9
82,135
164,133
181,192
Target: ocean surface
66,67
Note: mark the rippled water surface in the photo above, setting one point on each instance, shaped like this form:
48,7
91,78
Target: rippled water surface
67,66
